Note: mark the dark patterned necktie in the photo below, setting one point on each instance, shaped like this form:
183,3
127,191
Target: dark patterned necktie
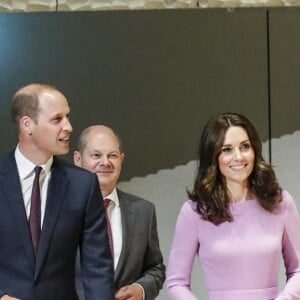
106,203
35,210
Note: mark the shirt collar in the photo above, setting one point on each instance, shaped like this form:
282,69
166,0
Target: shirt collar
25,166
113,196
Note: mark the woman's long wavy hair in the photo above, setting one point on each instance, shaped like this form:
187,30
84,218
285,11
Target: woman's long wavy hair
210,191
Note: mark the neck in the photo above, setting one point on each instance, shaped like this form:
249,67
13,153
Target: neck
238,193
34,156
105,192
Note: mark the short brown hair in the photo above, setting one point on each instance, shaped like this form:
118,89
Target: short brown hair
25,101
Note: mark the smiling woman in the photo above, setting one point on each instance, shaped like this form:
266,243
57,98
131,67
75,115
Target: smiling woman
239,220
229,142
236,162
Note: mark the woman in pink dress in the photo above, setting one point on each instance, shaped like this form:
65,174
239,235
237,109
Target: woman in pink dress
238,221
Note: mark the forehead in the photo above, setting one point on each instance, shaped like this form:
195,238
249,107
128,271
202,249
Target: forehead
53,102
235,134
101,141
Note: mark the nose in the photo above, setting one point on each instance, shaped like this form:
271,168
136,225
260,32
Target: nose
104,160
67,125
237,154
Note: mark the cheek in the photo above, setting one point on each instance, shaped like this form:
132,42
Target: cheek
88,164
223,160
251,157
93,166
43,139
251,160
117,167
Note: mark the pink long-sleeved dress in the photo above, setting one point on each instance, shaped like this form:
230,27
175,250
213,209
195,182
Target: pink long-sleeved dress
240,259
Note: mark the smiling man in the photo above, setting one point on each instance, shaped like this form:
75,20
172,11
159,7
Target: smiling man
49,208
100,152
138,262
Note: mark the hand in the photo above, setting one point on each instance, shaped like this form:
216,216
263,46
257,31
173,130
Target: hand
6,297
130,292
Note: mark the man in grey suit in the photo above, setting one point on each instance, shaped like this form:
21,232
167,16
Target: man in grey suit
138,262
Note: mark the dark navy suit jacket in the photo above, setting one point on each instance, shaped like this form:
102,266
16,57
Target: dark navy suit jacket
74,217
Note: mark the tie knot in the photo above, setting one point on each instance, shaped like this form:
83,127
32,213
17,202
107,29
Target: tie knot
106,202
37,170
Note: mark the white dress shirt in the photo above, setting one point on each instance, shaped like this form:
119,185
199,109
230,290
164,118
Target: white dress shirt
114,214
26,175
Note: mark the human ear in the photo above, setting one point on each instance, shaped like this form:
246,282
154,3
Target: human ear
77,158
26,125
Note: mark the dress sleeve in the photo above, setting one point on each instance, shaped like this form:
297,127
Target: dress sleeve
291,250
182,254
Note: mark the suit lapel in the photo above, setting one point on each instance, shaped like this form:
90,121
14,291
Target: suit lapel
128,218
57,190
10,184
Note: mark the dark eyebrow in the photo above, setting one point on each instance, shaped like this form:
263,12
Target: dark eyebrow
245,141
95,150
55,116
230,145
60,114
114,151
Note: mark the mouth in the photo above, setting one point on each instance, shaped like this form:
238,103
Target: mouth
64,139
104,172
238,167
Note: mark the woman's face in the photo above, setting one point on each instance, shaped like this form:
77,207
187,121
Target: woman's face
237,157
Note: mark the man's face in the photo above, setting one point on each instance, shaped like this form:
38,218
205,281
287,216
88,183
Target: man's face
51,132
102,156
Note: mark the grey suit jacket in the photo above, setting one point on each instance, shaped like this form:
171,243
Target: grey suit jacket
141,260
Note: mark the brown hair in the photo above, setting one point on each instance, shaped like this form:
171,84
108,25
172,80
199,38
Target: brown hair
209,191
25,102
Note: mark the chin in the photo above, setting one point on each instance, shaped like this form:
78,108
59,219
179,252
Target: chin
104,180
62,152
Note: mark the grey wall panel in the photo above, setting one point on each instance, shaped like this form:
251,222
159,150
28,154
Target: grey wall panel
285,69
285,95
284,24
155,76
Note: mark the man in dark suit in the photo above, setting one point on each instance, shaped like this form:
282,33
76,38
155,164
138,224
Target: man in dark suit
138,262
39,241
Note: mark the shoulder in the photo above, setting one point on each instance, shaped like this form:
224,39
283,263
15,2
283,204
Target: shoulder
287,198
72,171
287,204
8,165
6,160
189,207
136,200
62,164
78,181
189,219
189,212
